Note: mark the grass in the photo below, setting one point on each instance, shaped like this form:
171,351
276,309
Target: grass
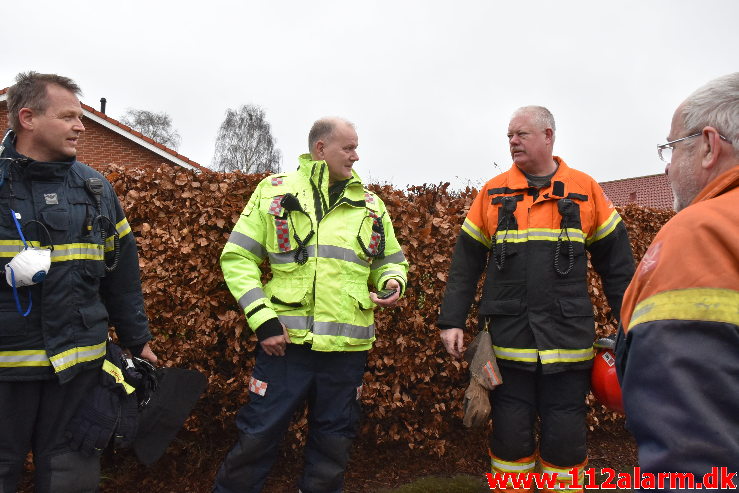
462,483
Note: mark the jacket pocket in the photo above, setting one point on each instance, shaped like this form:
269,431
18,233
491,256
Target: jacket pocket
502,307
286,298
12,323
576,307
94,316
363,300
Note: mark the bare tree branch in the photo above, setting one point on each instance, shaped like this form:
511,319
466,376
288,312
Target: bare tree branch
245,142
156,126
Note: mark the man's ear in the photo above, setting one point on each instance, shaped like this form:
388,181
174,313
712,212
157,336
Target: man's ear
318,150
25,118
548,133
710,148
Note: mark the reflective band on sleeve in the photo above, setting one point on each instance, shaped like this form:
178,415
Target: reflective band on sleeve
71,357
513,354
29,357
475,233
703,304
605,229
343,329
296,322
247,243
395,258
117,375
566,355
250,297
123,227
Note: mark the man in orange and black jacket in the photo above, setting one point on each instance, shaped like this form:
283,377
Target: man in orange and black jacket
532,225
678,353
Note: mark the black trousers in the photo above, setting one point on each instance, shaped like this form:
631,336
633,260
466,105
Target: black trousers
33,417
558,399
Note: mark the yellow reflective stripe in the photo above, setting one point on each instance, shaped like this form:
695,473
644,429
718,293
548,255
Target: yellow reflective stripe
123,227
77,251
606,228
76,355
117,375
566,355
704,304
476,233
540,234
28,357
61,253
499,465
514,354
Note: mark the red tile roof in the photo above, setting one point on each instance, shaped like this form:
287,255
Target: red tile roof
135,135
647,191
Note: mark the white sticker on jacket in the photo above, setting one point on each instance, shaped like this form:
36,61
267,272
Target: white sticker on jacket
257,386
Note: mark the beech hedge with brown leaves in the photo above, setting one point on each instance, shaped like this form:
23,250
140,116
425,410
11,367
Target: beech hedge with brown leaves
413,390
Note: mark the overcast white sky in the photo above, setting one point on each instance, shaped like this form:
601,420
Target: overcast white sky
429,84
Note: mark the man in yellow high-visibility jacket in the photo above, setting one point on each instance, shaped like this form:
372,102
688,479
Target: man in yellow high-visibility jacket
327,239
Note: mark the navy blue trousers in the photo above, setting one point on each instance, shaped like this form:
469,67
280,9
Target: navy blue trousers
330,383
33,417
557,398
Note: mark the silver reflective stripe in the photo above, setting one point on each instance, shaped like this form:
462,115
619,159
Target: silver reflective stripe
502,465
71,357
342,329
247,243
565,355
515,354
78,251
250,297
391,274
289,257
24,358
338,253
296,322
395,258
123,227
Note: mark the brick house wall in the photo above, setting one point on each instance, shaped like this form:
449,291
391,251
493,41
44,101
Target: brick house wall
99,145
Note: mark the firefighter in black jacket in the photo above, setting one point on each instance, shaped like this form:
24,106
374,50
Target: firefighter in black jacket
71,267
532,225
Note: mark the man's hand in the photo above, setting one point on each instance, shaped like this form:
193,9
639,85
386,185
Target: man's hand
391,284
275,345
148,354
453,340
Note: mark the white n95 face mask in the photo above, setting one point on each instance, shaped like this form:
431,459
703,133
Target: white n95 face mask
29,267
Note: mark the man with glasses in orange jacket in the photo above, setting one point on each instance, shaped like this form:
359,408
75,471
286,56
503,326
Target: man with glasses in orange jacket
678,352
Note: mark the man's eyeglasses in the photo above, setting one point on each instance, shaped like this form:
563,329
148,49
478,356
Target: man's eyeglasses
664,151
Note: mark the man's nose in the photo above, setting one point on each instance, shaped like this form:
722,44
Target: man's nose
354,156
78,126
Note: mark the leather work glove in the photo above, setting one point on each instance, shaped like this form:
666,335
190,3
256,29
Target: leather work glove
476,405
481,358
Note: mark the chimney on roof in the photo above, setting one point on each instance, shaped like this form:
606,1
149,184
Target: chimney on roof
102,105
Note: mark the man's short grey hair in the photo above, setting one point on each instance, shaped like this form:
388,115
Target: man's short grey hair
716,105
542,116
323,128
29,91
